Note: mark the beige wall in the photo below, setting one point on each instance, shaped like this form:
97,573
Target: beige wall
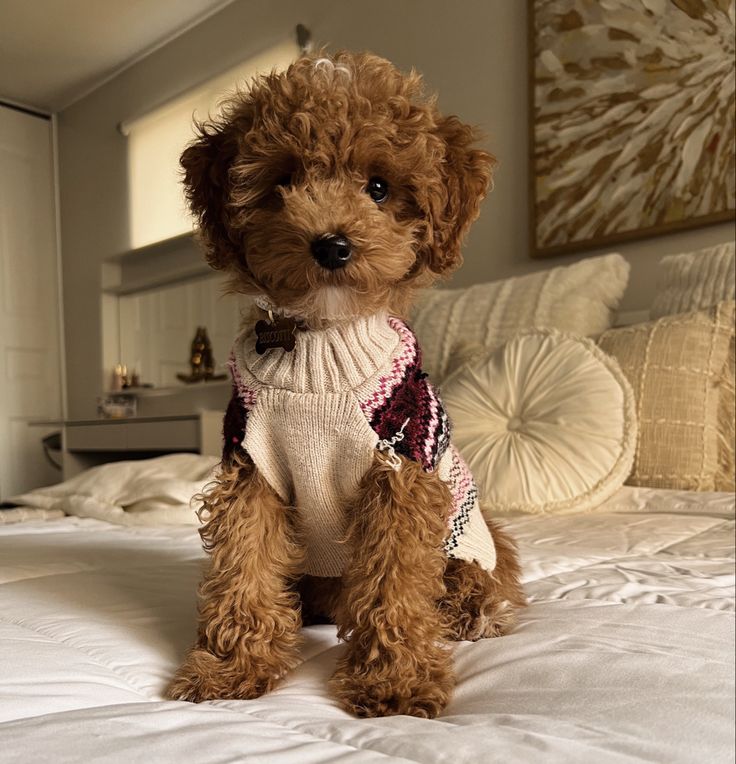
472,52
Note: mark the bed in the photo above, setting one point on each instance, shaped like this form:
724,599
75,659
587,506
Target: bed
625,653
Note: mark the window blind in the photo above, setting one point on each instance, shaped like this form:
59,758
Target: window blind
156,140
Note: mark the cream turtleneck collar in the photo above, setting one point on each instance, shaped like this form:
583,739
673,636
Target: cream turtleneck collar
335,359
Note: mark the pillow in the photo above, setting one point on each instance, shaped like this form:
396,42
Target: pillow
580,298
546,423
695,280
148,492
682,377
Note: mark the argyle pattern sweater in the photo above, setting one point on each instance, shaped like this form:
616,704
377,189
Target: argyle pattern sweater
312,419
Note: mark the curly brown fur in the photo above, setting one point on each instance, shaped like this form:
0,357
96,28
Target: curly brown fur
396,662
478,604
248,617
289,160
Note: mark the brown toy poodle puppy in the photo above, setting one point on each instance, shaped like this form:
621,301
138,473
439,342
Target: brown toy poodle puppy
332,192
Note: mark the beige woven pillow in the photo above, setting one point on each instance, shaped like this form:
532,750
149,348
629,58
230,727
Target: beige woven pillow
678,367
455,325
694,281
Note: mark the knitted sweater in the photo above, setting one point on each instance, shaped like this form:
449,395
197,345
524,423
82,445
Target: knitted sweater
312,419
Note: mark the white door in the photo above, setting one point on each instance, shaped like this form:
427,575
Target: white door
29,301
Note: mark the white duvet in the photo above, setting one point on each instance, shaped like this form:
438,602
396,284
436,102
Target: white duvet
625,653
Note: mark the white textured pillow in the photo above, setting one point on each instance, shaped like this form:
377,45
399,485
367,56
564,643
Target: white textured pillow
147,492
581,298
695,280
547,423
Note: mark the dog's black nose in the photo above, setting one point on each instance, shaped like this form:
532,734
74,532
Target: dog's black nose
332,251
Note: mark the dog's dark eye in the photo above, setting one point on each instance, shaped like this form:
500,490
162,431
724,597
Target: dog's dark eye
377,189
285,180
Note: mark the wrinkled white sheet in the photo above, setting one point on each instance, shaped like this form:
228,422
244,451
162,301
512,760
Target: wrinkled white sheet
625,653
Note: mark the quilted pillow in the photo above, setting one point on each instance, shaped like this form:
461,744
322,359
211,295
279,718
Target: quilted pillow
695,280
546,423
453,324
681,370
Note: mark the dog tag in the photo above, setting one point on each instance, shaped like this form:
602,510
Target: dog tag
276,334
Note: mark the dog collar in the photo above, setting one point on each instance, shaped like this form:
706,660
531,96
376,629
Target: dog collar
278,331
270,307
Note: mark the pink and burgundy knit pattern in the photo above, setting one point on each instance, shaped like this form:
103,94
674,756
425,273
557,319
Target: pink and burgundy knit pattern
405,393
464,496
236,416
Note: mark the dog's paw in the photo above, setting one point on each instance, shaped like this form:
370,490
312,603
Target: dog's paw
204,676
481,620
366,696
371,700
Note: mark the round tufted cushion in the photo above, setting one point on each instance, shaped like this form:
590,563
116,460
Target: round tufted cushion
547,423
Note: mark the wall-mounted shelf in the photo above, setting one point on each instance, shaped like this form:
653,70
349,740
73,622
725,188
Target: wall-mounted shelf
164,263
150,392
135,287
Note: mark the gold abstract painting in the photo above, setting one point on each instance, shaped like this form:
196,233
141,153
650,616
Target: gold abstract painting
632,119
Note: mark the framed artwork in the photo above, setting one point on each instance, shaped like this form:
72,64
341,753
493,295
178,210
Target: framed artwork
631,119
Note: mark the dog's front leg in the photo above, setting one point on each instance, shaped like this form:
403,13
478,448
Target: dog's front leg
248,617
397,661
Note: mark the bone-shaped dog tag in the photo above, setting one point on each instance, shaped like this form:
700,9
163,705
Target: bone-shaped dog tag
276,334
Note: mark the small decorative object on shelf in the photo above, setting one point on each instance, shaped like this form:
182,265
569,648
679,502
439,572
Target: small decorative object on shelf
117,406
119,377
201,360
123,382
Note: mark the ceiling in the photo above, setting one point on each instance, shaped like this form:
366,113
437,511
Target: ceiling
53,52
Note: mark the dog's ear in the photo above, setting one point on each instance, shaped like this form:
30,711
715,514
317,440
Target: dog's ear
206,163
465,176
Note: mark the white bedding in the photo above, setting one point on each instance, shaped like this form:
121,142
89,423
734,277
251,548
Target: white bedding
625,653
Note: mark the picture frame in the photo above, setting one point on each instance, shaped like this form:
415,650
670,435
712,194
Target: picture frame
591,183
